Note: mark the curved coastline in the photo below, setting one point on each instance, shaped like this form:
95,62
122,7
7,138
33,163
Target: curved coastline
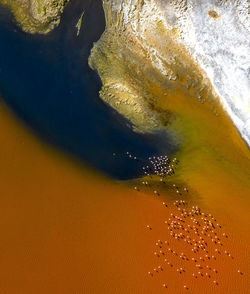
57,94
171,42
71,230
38,16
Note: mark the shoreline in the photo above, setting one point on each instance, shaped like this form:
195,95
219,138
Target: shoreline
56,90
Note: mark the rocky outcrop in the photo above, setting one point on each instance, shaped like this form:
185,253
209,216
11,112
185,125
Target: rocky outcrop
155,48
36,16
142,65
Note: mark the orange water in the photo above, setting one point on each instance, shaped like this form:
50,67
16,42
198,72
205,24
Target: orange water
66,229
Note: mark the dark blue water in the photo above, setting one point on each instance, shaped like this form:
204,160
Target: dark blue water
46,81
